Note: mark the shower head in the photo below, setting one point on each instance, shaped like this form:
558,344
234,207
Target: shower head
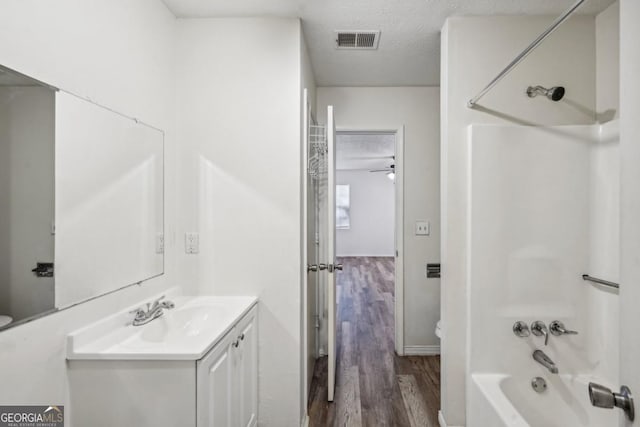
555,93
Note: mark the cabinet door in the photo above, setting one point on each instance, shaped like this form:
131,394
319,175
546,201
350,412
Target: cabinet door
247,374
215,385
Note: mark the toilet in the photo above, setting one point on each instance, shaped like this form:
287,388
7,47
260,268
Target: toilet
5,320
438,329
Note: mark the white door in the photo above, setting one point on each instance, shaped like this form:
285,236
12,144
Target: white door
331,250
247,354
215,386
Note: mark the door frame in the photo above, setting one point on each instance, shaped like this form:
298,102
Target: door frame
398,313
304,282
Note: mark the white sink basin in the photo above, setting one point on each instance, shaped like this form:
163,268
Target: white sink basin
185,332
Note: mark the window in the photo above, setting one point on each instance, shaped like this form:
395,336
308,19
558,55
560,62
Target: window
343,213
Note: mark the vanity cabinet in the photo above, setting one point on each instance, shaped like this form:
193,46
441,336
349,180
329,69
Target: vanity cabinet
136,384
227,379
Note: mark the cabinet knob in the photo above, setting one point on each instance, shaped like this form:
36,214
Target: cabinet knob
241,337
236,343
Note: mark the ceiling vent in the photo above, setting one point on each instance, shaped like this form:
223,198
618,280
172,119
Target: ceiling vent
357,39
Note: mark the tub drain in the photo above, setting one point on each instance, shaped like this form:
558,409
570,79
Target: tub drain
539,384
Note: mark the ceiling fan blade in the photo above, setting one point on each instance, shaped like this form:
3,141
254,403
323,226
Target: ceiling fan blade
368,157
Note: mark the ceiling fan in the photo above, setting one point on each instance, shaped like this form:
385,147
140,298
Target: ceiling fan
389,169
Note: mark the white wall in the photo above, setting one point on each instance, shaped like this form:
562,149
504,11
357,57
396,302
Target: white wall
417,108
238,110
474,49
372,200
119,53
26,199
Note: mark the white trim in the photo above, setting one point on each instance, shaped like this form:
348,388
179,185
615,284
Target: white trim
365,256
442,422
399,233
421,350
303,249
399,226
305,421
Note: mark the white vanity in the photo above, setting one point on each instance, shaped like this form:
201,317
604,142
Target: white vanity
196,365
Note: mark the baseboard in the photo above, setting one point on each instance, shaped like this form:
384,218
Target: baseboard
421,350
441,420
305,421
365,256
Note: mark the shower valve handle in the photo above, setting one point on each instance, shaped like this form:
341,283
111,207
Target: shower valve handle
557,328
538,328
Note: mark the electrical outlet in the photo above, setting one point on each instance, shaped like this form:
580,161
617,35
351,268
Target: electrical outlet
191,243
423,228
159,243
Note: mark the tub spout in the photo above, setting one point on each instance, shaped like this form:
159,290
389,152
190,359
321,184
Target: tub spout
545,361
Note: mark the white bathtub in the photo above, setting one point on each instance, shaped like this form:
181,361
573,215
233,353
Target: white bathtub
497,400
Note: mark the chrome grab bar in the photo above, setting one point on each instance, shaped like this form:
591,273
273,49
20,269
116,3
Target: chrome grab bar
601,281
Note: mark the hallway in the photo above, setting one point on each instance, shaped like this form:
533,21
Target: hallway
374,386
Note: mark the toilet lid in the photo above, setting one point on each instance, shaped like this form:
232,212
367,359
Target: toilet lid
5,320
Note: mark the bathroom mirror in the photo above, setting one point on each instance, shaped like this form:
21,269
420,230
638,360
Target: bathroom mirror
81,200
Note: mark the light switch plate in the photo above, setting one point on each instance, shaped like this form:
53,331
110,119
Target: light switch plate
191,243
423,228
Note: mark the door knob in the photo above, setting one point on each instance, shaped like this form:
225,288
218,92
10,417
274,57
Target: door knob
332,267
312,267
322,266
603,397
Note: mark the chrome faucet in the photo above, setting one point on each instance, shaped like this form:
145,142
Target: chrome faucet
538,328
557,328
545,361
154,310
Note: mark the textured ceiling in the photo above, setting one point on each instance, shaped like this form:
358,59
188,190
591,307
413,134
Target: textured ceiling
357,151
409,52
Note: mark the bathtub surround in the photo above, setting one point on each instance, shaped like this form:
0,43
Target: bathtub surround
528,196
604,207
629,194
481,44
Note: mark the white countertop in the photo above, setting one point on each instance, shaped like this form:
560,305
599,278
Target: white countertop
186,332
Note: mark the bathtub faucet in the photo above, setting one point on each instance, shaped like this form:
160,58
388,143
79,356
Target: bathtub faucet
545,361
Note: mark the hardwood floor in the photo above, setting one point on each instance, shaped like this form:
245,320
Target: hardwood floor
374,387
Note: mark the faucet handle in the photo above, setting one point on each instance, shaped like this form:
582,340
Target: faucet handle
521,329
557,328
156,303
139,313
538,328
